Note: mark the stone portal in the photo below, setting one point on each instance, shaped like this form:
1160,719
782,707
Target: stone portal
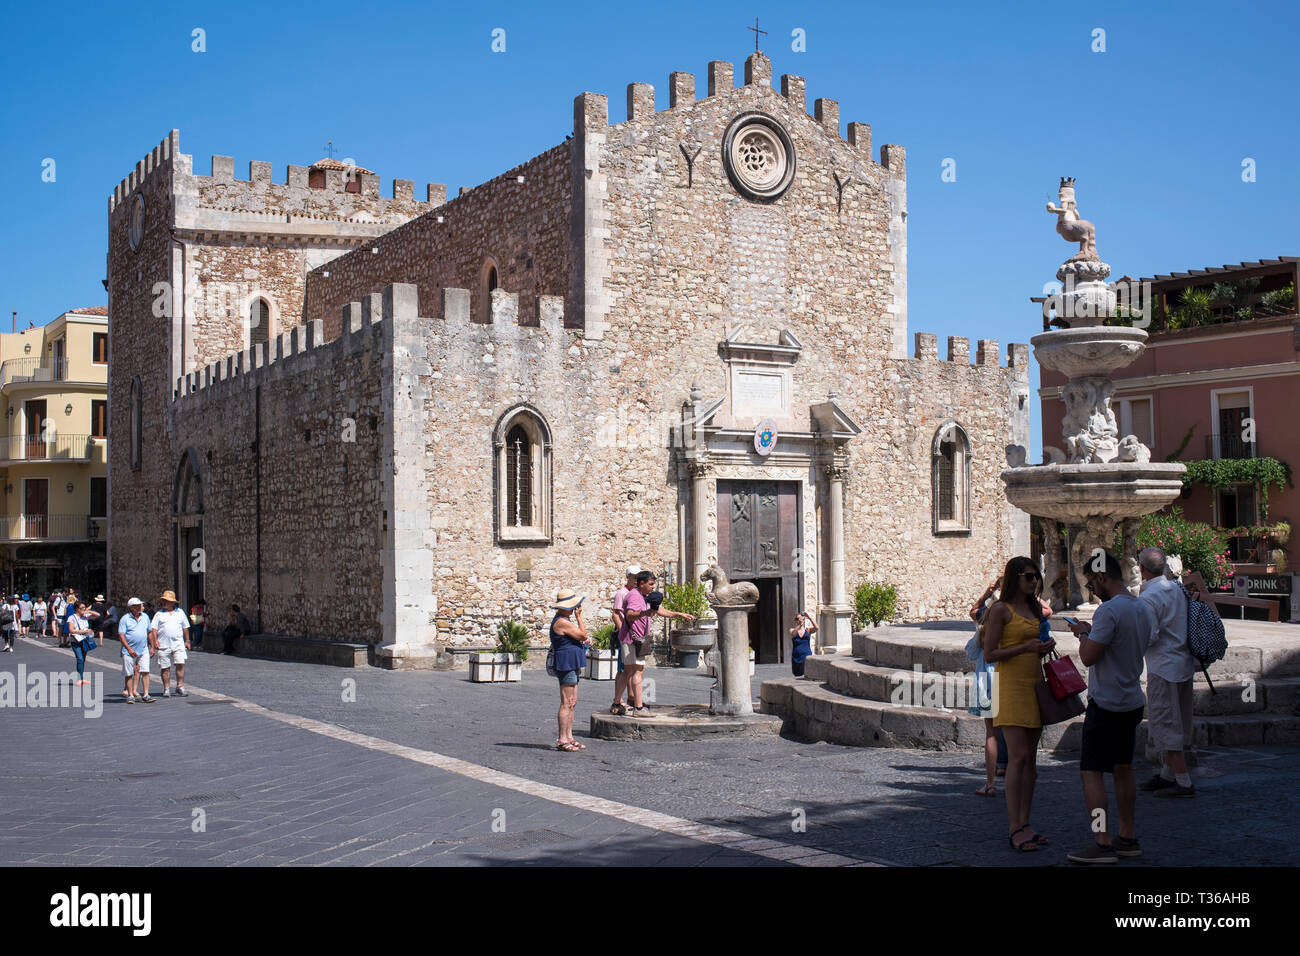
759,541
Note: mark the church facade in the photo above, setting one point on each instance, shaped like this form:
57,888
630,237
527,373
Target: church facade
675,341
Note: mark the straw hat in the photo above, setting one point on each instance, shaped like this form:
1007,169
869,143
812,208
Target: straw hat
168,596
567,599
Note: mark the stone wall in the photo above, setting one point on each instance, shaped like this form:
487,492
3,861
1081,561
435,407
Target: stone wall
314,416
520,226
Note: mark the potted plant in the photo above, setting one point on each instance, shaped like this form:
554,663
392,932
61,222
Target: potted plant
874,603
602,657
690,640
506,662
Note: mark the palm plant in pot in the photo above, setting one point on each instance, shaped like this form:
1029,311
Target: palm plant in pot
602,656
506,662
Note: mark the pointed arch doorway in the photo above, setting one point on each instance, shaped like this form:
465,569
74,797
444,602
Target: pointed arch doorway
189,558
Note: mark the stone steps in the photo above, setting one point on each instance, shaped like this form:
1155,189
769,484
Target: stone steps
889,696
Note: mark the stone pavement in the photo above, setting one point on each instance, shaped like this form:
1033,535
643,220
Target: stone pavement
416,770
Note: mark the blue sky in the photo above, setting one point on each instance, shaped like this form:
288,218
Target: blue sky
1155,129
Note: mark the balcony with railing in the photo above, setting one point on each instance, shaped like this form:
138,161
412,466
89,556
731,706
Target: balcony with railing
22,528
29,370
59,447
1228,446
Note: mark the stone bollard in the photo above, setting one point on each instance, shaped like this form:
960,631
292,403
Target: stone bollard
731,696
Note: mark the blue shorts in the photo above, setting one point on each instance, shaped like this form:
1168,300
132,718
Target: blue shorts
568,678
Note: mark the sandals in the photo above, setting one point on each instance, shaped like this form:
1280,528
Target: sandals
568,747
618,710
1029,846
988,790
1040,839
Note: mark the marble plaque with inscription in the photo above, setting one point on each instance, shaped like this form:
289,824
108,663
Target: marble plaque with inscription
758,392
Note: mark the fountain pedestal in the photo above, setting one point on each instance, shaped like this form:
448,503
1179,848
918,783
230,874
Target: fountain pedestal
731,696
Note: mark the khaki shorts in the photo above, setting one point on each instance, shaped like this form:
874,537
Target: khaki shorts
627,654
1169,713
169,654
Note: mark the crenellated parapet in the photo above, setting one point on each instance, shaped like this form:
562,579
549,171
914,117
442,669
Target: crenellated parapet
958,352
367,323
156,161
758,75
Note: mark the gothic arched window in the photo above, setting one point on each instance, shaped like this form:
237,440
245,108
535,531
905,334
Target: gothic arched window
490,280
950,478
522,473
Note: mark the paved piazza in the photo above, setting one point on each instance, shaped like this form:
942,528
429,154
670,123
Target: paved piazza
429,769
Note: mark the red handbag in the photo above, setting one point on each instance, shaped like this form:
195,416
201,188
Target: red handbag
1062,676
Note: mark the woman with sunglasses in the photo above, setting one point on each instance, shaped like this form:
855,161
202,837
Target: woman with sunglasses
1012,642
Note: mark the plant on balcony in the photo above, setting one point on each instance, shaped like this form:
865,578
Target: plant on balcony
875,603
1261,472
1201,547
1195,307
1279,301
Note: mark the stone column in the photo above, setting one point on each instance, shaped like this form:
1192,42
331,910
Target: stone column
700,473
837,614
732,696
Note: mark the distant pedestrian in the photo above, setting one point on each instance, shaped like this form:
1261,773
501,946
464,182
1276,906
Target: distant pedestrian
620,606
25,607
170,629
801,642
40,611
569,641
58,605
69,608
81,635
237,628
1013,642
133,634
196,624
1112,647
9,622
1170,669
995,745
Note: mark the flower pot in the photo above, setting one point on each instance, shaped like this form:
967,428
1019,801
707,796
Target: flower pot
601,665
495,668
691,642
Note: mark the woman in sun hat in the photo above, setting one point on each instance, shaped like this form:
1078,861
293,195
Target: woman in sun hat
569,643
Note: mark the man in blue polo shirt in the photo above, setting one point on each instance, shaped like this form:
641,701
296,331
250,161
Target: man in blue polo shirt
133,632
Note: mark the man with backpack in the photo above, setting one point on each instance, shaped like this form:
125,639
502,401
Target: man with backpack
1170,669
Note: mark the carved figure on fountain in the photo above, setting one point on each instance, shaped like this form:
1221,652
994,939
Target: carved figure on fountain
1130,449
1071,227
1097,532
1089,426
725,593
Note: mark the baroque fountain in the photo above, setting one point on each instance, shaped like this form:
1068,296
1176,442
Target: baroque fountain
1098,481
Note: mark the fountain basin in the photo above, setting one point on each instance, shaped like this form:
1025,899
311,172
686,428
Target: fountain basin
1073,493
1093,351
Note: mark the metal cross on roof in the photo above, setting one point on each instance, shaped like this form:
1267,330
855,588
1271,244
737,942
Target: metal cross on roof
757,31
331,149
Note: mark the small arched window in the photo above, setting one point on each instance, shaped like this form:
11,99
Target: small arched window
950,479
136,430
490,282
522,476
259,321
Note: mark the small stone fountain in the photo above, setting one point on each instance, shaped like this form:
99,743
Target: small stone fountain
1098,480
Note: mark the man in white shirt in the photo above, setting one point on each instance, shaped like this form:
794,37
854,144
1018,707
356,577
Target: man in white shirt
1170,669
169,630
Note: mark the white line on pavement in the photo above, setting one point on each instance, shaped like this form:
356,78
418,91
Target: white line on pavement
652,819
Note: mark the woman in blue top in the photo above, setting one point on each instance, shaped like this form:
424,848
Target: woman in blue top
569,640
801,642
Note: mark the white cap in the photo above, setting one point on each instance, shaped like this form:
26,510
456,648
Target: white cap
134,601
634,569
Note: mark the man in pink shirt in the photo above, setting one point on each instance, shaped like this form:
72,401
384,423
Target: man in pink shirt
620,605
635,637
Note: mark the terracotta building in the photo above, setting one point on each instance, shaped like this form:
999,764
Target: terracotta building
676,340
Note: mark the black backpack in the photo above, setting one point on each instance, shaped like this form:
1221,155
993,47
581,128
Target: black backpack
1206,638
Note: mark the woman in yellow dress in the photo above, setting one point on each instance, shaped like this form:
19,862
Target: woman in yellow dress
1012,641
